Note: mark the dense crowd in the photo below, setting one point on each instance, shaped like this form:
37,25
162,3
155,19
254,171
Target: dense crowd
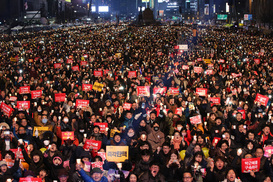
69,96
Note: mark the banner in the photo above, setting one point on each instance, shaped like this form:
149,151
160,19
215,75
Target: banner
68,135
98,73
24,90
262,99
30,180
6,109
97,86
127,106
57,65
117,153
173,91
39,130
185,67
268,151
201,91
102,155
199,59
12,98
87,87
96,145
198,69
60,97
36,94
69,61
21,105
83,63
82,103
20,153
178,111
196,120
102,126
221,61
159,90
250,164
209,72
97,165
132,74
207,61
215,100
234,75
75,68
216,140
143,91
257,61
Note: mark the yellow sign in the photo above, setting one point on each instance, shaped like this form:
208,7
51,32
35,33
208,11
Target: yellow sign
207,61
117,153
118,55
97,86
13,59
40,130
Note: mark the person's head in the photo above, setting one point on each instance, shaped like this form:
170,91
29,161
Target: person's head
239,116
198,157
132,177
267,179
231,175
43,173
117,138
187,176
57,160
154,168
97,174
129,115
259,152
197,148
145,155
144,145
166,148
44,119
266,130
177,135
3,166
219,162
36,158
174,155
251,135
96,129
224,145
249,144
155,126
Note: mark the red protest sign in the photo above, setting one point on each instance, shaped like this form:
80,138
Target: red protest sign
250,164
257,61
60,97
82,103
83,63
176,47
159,90
195,120
127,106
173,91
98,73
215,100
178,111
216,140
24,90
268,151
97,165
86,87
221,61
102,155
12,98
234,75
6,108
75,68
85,55
23,105
243,112
57,65
96,145
198,69
36,94
105,72
20,153
201,91
132,74
30,180
185,67
143,91
262,99
102,126
210,65
209,72
199,59
69,61
68,135
9,162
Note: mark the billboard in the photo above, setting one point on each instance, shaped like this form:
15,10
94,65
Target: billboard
222,17
206,9
103,9
163,1
247,17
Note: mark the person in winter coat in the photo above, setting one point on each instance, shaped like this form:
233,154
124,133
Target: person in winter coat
153,175
156,138
96,176
173,168
142,165
5,171
231,176
217,170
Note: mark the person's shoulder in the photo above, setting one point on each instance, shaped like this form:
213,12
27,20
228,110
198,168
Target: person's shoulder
104,179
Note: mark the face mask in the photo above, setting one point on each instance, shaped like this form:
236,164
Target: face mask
156,128
179,128
46,142
65,120
39,110
44,121
130,134
81,131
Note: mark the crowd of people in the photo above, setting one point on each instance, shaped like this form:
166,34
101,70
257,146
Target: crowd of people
202,114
